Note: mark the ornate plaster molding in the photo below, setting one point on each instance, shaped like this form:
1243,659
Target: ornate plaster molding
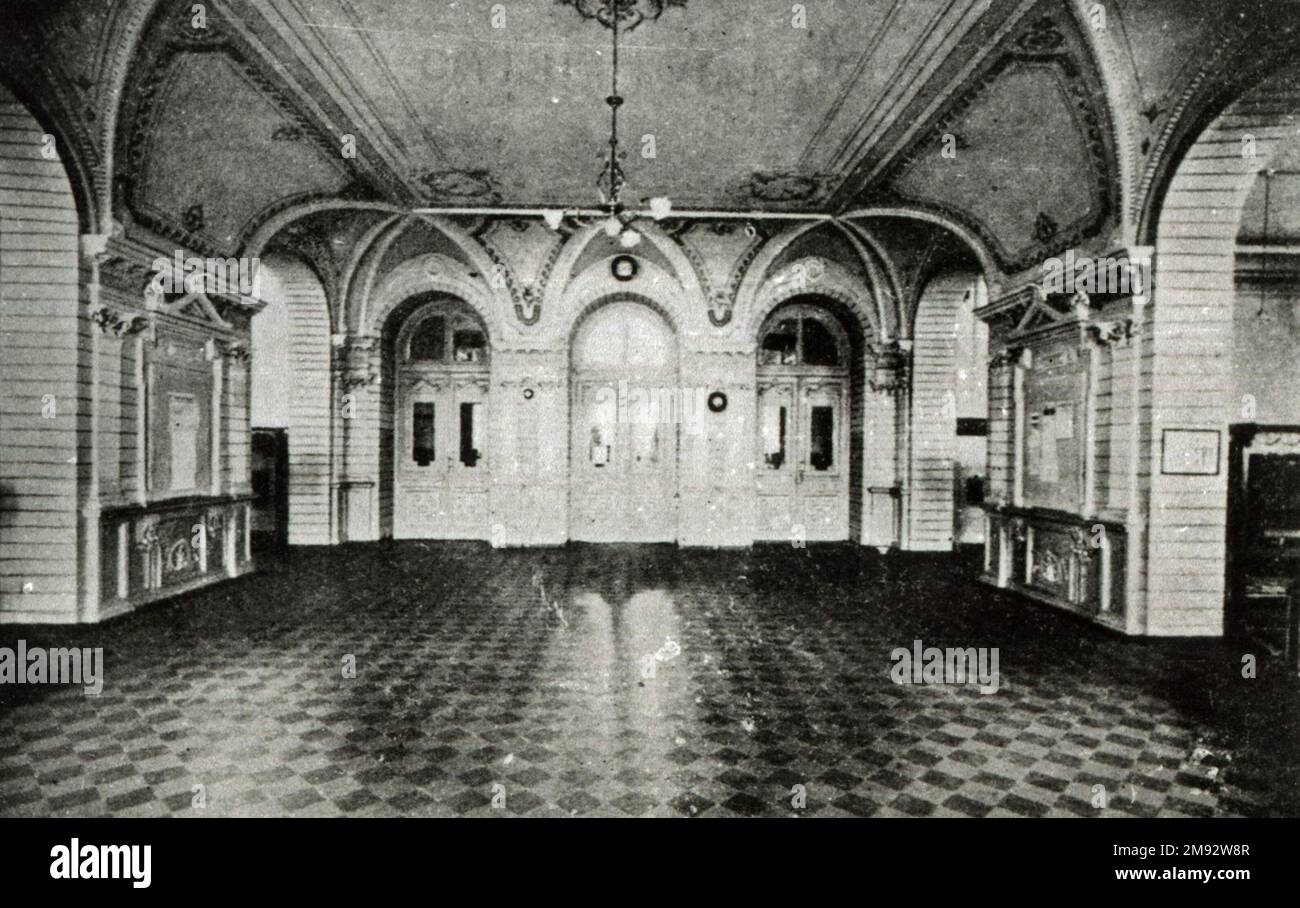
631,13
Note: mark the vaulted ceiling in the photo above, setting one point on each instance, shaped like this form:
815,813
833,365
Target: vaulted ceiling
730,104
743,102
991,114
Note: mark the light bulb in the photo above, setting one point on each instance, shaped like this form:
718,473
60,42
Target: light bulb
612,227
629,239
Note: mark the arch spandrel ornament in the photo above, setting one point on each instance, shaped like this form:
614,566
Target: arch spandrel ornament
434,272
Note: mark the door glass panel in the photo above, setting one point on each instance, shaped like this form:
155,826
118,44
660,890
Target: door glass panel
819,347
645,437
781,344
774,435
821,438
601,447
602,421
470,432
422,433
470,346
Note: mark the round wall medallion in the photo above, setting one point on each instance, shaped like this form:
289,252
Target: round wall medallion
528,393
624,267
717,402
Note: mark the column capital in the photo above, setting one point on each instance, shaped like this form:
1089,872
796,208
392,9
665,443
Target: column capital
1104,334
115,322
1009,356
358,360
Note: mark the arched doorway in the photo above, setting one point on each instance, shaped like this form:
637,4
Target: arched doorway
1218,343
1263,448
440,424
625,403
803,385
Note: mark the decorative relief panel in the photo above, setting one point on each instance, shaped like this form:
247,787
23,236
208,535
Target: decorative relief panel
359,363
720,253
458,186
784,186
149,553
117,322
1072,563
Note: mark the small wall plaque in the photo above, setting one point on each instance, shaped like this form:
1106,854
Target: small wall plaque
1190,452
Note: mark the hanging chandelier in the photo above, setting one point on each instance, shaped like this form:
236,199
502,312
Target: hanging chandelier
619,222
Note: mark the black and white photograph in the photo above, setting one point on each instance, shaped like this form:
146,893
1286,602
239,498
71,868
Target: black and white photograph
650,409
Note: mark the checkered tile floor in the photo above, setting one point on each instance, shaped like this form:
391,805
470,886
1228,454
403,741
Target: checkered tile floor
635,681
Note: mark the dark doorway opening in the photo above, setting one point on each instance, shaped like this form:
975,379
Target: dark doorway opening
270,490
1263,557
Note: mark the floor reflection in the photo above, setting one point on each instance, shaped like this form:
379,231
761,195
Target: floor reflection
627,700
632,681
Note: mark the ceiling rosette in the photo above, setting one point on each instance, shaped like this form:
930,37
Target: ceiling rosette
630,13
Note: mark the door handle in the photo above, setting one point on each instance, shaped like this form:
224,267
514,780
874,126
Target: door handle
798,476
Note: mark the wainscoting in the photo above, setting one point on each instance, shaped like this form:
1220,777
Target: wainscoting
1066,561
150,553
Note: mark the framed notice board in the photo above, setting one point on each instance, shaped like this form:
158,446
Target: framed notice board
1190,452
1053,434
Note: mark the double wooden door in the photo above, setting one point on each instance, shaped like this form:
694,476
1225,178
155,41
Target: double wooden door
441,477
623,464
803,459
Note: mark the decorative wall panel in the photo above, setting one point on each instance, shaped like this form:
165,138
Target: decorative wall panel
152,552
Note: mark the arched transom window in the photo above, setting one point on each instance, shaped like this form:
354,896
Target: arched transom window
802,336
448,334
